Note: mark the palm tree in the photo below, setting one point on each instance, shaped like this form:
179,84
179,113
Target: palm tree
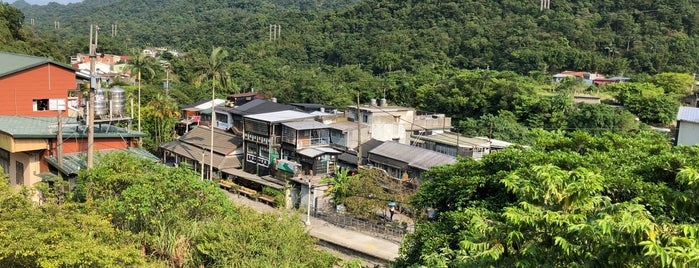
213,70
141,64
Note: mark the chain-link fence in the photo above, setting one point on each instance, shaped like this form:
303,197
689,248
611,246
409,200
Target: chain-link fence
392,231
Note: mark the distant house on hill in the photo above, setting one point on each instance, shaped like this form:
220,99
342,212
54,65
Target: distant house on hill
590,78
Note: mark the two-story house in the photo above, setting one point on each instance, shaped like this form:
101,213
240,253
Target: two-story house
307,143
263,138
386,123
38,91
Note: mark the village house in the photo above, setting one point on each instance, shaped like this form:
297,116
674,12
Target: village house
42,94
405,162
453,144
194,147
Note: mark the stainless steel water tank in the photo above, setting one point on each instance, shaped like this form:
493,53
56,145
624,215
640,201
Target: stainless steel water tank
117,97
100,103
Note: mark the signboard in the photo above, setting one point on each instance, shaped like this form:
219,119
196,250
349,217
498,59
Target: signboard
262,161
288,166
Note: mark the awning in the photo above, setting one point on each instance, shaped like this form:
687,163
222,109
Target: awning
313,152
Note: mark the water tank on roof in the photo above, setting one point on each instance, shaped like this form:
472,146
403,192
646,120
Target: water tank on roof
100,103
117,97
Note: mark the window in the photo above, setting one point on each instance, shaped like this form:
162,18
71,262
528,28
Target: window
41,105
365,118
5,161
448,150
19,178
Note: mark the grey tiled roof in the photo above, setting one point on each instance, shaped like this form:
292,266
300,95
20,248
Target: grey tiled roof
414,156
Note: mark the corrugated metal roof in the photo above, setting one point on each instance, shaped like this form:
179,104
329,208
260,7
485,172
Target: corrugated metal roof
258,106
203,105
201,155
281,116
74,162
414,156
689,114
453,139
313,152
346,126
304,125
224,142
34,127
11,63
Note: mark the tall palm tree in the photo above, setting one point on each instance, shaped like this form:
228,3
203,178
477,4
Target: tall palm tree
141,64
213,70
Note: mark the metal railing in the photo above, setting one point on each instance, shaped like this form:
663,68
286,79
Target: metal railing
387,230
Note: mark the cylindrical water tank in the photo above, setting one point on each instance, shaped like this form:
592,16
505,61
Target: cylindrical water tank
117,97
100,103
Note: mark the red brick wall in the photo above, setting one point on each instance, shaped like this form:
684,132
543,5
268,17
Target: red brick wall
42,82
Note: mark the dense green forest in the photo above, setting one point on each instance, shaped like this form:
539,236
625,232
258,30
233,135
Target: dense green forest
611,37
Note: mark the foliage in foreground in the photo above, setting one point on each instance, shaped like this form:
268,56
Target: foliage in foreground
128,211
571,200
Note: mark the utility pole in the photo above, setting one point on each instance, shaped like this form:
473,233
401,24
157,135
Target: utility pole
167,81
275,31
94,29
59,139
359,136
308,211
545,4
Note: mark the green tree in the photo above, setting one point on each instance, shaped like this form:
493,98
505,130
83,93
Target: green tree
597,119
181,221
675,84
55,235
161,114
572,199
143,67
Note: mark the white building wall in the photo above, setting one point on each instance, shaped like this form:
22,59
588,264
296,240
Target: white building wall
688,133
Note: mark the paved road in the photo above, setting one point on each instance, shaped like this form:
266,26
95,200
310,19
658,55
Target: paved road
360,242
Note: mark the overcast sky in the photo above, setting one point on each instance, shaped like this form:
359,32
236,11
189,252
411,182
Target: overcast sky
44,2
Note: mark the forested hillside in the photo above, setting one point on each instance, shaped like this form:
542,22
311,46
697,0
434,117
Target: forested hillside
15,38
612,37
